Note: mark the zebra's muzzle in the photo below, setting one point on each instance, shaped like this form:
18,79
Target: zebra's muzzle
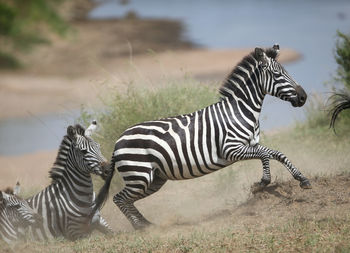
97,171
101,169
300,99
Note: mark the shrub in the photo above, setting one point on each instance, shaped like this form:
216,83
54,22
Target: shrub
320,117
342,57
120,111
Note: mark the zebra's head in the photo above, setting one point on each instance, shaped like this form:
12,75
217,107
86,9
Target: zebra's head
275,79
18,210
87,152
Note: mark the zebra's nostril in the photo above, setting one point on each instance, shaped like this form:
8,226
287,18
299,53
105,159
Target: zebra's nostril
302,99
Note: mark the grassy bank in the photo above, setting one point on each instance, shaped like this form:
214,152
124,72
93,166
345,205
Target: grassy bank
297,235
218,213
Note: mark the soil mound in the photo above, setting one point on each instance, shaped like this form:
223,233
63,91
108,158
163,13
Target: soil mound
329,197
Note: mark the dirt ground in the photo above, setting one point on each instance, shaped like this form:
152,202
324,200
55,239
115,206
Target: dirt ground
182,205
277,204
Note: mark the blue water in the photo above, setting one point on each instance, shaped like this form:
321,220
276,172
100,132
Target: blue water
308,26
34,133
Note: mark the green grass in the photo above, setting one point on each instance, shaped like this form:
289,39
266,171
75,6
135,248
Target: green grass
7,61
121,111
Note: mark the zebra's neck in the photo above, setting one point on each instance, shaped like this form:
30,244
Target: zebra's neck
68,180
72,180
243,90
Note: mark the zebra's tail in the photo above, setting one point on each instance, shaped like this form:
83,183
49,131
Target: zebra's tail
341,102
103,193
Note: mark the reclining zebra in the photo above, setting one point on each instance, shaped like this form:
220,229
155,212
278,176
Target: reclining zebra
193,145
15,216
68,206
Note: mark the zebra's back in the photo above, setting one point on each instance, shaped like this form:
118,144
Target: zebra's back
180,147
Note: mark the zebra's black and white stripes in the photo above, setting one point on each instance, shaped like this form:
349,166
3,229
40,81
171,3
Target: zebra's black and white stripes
193,145
15,217
68,205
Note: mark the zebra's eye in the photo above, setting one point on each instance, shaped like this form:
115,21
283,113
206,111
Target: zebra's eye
277,73
84,151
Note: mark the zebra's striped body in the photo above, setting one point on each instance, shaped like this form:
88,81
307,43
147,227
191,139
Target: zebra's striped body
15,217
193,145
68,205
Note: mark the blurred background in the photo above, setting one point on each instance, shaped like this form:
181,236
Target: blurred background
59,58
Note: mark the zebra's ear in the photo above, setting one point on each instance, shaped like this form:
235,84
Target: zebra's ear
72,133
259,52
17,189
80,129
276,47
260,56
273,52
1,198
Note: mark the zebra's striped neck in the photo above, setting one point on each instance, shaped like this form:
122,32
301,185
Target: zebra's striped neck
243,87
66,161
67,172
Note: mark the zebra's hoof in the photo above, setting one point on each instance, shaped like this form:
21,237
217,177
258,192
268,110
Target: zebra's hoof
142,226
258,186
264,182
305,184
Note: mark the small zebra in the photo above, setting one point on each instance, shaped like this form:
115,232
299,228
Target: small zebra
192,145
68,205
15,216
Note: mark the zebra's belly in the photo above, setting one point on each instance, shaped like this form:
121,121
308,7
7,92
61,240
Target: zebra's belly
167,168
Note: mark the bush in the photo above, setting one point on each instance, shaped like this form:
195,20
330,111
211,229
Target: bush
121,111
342,57
340,98
318,116
26,23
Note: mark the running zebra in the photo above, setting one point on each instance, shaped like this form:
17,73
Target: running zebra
68,204
15,216
196,144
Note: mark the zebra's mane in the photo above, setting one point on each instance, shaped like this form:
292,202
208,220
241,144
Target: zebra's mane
236,75
9,190
60,163
229,86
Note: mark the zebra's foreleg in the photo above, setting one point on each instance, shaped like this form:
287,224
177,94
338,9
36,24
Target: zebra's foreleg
304,182
264,154
266,178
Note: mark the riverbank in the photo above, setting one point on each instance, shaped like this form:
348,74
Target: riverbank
101,54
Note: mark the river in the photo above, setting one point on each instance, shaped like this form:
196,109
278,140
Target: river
308,26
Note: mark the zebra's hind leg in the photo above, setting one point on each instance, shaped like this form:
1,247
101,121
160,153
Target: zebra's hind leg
125,201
